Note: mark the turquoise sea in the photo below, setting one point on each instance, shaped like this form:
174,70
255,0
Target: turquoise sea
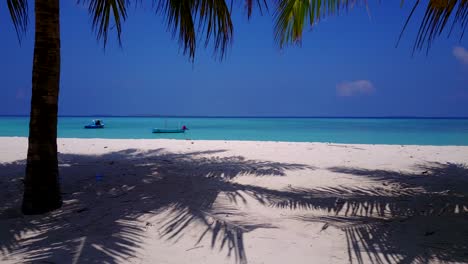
338,130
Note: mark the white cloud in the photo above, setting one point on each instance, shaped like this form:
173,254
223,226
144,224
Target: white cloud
461,54
355,87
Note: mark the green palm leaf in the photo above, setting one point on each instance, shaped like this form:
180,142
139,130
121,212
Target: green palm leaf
191,21
292,16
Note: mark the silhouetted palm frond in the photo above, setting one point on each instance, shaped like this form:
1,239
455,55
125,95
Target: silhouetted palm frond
261,4
436,18
19,15
101,11
186,19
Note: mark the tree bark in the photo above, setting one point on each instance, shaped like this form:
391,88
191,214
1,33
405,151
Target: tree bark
42,186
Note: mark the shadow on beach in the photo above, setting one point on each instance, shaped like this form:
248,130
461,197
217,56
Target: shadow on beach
105,195
112,201
411,218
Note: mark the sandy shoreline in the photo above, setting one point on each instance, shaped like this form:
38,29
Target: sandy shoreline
176,201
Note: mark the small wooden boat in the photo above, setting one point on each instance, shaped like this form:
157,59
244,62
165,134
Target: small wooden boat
166,130
95,124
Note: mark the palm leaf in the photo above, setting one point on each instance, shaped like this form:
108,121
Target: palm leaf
436,18
186,19
19,15
292,16
260,4
101,12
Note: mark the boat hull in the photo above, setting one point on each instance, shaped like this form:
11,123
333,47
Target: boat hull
159,130
93,126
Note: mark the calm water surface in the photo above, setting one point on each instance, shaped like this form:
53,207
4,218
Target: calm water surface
337,130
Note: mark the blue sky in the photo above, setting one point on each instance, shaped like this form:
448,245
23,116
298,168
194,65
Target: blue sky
346,66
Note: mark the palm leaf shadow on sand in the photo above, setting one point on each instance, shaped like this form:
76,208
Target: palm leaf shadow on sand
106,199
413,217
406,217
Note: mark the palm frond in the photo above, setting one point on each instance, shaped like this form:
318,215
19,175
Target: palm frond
292,16
436,18
261,4
19,15
101,12
186,19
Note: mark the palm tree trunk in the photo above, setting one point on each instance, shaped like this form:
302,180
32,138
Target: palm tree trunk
42,187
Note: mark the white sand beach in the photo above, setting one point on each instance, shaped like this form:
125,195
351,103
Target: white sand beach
176,201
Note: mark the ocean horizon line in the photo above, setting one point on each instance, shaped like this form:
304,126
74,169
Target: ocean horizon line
241,116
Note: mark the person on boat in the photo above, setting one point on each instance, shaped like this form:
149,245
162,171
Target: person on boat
184,127
98,122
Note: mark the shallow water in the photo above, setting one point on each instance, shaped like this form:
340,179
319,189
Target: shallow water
337,130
